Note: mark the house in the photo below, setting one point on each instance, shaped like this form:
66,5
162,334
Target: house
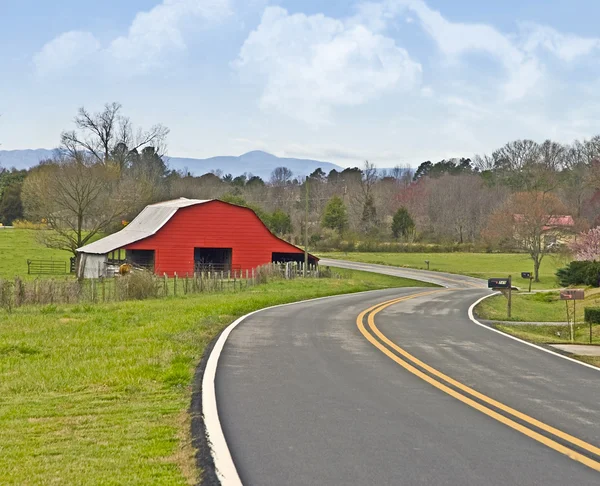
557,229
184,236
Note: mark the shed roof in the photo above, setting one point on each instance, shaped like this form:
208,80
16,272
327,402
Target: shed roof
145,224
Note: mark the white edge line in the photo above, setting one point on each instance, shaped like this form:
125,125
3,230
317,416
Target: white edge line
472,317
224,465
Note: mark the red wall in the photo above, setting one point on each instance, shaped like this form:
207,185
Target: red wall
212,225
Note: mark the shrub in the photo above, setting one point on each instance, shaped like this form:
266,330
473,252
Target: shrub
24,224
545,297
579,273
592,315
6,295
138,285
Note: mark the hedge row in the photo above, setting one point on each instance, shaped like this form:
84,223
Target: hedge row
580,273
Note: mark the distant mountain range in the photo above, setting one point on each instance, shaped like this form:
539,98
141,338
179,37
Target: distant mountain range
256,163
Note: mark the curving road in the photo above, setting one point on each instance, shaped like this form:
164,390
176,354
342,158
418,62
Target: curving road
324,393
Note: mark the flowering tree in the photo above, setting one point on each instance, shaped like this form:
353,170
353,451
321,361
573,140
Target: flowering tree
587,245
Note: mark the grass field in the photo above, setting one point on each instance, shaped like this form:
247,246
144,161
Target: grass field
481,265
19,245
99,394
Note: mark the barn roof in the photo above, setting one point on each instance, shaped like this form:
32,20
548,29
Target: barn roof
145,224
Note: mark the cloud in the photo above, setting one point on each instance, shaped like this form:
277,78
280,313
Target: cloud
152,36
455,39
566,47
65,52
155,33
313,64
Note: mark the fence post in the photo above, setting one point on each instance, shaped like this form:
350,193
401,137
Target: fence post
221,280
175,284
166,284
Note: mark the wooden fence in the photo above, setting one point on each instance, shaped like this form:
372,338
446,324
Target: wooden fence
141,285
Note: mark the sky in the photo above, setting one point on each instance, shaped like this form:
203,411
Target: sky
395,82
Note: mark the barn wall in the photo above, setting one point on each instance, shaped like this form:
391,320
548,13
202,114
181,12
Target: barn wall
92,266
212,225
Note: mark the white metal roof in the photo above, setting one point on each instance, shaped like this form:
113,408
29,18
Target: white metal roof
145,224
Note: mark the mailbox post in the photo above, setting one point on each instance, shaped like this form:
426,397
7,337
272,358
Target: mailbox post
529,276
574,295
504,285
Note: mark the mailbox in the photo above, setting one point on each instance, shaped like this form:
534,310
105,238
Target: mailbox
526,275
499,283
573,294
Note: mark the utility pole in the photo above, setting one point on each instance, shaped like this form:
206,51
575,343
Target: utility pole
306,229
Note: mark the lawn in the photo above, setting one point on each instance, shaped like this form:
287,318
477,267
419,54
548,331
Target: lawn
553,334
98,394
19,245
481,265
540,307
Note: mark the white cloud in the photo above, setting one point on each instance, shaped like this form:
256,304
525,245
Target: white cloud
65,52
151,37
455,39
312,64
566,47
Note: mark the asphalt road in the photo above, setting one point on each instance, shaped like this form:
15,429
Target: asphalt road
306,399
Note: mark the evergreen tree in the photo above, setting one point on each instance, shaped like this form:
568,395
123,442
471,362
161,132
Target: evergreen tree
402,224
335,216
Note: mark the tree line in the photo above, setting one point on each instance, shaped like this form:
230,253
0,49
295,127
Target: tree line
516,198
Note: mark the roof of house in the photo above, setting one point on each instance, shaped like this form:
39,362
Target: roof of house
553,221
145,224
561,221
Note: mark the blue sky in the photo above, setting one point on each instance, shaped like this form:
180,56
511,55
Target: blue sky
392,81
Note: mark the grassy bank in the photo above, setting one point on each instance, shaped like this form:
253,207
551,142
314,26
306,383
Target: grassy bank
99,394
480,265
544,307
553,334
541,307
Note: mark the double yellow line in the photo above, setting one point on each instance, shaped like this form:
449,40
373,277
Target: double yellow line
466,394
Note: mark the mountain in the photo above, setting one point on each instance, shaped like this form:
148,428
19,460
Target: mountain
257,163
23,159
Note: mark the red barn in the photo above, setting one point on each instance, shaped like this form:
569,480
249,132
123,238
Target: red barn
187,235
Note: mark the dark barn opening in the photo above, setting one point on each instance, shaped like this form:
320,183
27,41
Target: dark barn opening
292,257
212,259
141,258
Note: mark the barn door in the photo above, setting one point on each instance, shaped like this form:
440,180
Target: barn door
212,259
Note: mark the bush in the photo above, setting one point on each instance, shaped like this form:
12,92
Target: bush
579,273
138,285
592,315
545,297
24,224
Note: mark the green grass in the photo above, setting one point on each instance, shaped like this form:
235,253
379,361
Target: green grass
99,394
540,307
553,334
19,245
480,265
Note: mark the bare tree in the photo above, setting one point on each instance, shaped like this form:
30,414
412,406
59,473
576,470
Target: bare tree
459,206
281,176
109,136
77,199
532,222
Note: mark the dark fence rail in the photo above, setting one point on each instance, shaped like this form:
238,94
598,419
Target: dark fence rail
46,267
